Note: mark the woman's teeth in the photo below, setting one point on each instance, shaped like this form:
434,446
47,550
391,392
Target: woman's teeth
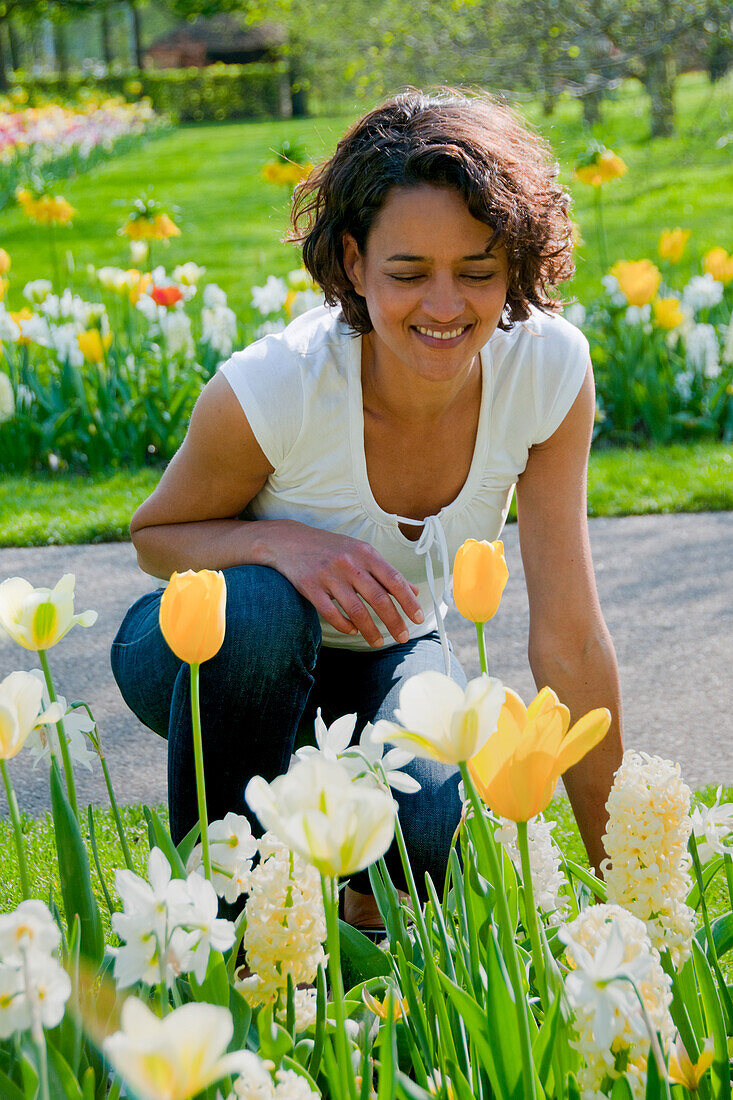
441,335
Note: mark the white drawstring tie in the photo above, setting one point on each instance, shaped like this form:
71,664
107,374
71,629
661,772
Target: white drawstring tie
433,533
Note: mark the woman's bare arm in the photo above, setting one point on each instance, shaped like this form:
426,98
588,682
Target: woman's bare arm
191,521
570,648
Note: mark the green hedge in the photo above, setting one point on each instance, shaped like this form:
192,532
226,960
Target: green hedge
211,94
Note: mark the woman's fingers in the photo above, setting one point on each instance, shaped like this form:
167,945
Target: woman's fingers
356,612
392,580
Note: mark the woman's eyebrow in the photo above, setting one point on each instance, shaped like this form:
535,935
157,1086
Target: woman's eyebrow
407,258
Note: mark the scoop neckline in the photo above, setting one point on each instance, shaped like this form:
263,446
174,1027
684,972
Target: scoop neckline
358,452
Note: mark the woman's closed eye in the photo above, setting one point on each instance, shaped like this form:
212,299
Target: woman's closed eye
482,277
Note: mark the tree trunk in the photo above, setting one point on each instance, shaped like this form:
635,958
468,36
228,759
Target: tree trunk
298,90
3,74
592,106
60,47
104,33
16,53
136,35
659,84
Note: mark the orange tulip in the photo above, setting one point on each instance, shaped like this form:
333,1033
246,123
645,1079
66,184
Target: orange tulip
166,295
719,264
479,577
517,770
193,614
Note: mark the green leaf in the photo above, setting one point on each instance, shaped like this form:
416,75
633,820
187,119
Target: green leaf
595,885
9,1090
74,873
161,838
720,1069
97,864
655,1089
187,845
275,1042
493,1055
622,1089
242,1017
61,1080
722,929
543,1046
360,958
215,986
387,1053
408,1089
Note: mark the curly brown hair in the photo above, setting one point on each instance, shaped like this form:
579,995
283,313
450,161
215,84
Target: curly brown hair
473,143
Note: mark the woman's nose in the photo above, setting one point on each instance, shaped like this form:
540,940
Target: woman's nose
444,299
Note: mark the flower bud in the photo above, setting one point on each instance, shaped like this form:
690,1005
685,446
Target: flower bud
479,577
193,614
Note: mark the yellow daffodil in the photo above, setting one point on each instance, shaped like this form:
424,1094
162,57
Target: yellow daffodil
93,344
682,1071
638,280
21,699
517,770
668,312
719,264
379,1008
19,316
672,243
38,618
606,166
193,614
4,262
479,578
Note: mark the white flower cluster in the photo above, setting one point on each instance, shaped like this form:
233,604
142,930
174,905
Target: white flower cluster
57,324
544,863
290,1086
218,321
702,292
231,846
612,288
34,987
648,865
168,926
286,927
334,743
77,724
296,294
638,315
604,943
702,351
713,827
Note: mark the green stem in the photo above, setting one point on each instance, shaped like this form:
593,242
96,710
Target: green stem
58,285
600,230
482,646
531,913
116,814
15,818
728,864
329,889
709,932
512,961
198,753
63,743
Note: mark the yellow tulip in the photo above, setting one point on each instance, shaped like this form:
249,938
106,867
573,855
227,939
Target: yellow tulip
479,577
164,227
638,280
518,768
193,614
672,244
93,345
682,1071
4,262
668,312
379,1008
606,166
139,286
719,264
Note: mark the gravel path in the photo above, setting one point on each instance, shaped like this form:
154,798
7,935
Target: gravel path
666,587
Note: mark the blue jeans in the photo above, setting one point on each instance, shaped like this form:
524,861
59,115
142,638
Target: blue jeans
258,699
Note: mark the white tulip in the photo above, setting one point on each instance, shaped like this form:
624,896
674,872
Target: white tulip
440,721
177,1057
317,811
20,705
38,618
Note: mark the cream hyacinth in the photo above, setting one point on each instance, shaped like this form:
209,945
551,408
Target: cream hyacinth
286,927
610,1027
544,863
648,865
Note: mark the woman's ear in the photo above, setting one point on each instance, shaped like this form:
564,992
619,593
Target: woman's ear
353,262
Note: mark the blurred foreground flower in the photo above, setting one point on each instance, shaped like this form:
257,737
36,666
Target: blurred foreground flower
7,398
599,165
46,209
21,701
38,618
672,244
668,312
93,345
34,987
438,720
193,614
4,262
638,280
517,770
719,264
681,1069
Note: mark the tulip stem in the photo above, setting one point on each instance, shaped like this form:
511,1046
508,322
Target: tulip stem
482,646
329,889
15,818
63,743
530,913
512,961
198,755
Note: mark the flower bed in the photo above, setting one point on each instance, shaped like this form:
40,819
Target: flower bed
522,975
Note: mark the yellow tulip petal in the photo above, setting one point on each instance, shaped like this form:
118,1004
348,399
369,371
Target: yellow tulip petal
587,732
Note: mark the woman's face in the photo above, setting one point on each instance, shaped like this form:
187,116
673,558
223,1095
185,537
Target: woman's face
434,293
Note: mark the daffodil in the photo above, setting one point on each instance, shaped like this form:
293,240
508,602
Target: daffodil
38,618
193,614
380,1009
638,280
438,720
517,770
682,1071
672,244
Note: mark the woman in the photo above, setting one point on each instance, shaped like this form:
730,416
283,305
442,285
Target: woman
363,445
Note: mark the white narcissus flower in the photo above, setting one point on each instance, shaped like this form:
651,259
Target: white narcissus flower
14,1009
232,847
195,900
712,826
214,297
9,330
77,724
37,290
139,251
188,273
30,927
334,743
38,618
305,300
438,720
219,329
338,826
702,292
177,1057
21,699
47,989
270,297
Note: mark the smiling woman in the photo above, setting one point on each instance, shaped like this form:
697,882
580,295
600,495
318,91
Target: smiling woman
332,470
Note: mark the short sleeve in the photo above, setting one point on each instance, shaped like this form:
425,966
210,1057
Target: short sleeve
561,355
267,381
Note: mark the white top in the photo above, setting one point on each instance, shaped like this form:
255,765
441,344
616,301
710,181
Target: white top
301,392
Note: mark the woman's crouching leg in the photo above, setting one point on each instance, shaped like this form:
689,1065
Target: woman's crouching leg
252,695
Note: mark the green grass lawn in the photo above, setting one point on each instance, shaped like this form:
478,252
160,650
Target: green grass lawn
232,221
53,510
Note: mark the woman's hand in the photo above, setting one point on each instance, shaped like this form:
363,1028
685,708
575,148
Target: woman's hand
327,567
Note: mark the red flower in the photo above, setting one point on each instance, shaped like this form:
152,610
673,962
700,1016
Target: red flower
166,295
